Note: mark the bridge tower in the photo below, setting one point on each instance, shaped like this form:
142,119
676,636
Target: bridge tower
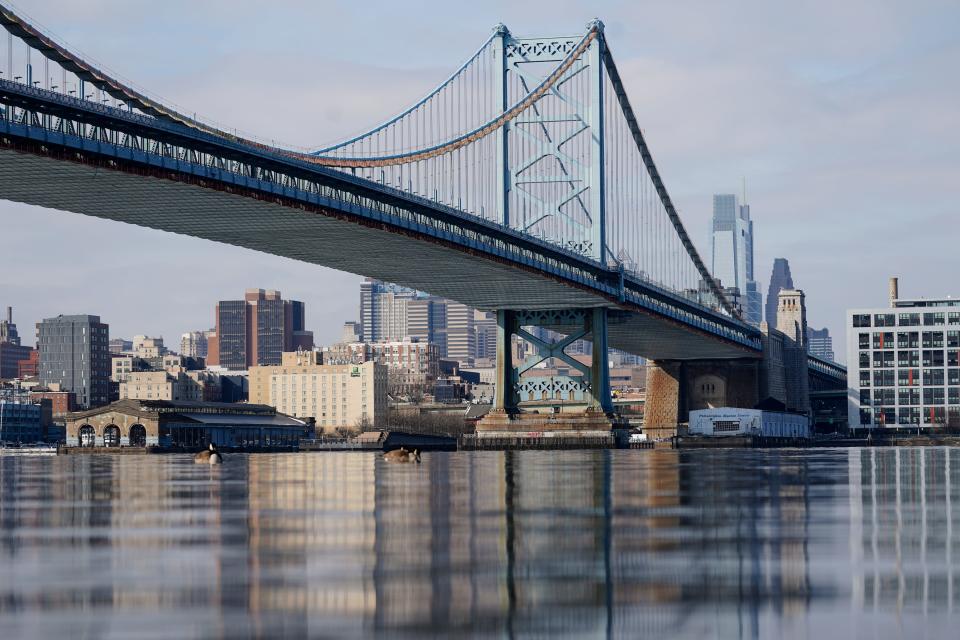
551,174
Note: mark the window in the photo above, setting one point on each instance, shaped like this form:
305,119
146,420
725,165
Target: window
861,320
909,396
864,378
953,317
909,319
884,320
883,340
953,376
953,339
933,318
933,395
953,395
908,340
932,358
883,378
933,377
908,377
885,358
933,339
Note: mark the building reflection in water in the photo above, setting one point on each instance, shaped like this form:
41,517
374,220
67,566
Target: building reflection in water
731,543
902,529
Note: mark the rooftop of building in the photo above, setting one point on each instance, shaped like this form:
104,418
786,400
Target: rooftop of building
148,408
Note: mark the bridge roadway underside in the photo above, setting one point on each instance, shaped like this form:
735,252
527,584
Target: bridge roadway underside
335,240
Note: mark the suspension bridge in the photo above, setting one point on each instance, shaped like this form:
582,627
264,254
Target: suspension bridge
522,185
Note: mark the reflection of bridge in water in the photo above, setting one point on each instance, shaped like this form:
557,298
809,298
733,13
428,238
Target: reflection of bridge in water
601,543
595,543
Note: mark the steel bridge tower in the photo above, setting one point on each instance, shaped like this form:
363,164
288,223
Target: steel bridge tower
556,175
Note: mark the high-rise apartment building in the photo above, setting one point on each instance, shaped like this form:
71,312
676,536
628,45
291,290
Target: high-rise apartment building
820,344
731,253
11,351
194,344
903,364
257,330
74,353
780,278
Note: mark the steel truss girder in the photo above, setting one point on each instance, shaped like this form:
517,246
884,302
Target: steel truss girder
591,385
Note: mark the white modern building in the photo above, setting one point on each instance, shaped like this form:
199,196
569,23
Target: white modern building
731,253
904,364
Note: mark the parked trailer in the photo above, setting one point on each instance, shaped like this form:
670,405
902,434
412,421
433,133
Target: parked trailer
725,422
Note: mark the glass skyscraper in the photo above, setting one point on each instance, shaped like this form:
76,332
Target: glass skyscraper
731,253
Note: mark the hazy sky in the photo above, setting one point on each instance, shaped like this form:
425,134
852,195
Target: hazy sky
842,116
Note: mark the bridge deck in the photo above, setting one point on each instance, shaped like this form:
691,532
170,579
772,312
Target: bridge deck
330,238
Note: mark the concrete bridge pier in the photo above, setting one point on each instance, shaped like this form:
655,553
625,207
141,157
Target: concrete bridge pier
677,387
564,403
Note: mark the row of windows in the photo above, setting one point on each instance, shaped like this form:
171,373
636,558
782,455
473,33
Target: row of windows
911,415
905,319
909,377
893,397
909,339
926,358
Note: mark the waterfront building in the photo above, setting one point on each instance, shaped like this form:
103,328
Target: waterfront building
194,344
820,344
731,252
780,278
257,330
21,419
334,395
904,364
139,423
74,354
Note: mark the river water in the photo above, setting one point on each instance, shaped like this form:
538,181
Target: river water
852,543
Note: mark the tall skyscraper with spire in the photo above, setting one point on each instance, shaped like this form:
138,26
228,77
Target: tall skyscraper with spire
779,279
731,252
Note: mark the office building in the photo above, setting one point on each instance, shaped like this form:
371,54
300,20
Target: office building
731,251
820,344
780,278
461,335
904,364
11,351
74,353
257,330
336,396
194,344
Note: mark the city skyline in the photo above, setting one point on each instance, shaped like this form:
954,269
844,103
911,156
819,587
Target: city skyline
833,87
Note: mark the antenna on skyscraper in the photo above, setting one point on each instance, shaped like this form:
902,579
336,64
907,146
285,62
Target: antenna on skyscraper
744,178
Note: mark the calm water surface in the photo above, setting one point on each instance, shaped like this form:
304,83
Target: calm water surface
818,544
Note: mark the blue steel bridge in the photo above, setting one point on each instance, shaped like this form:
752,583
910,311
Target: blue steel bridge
522,184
